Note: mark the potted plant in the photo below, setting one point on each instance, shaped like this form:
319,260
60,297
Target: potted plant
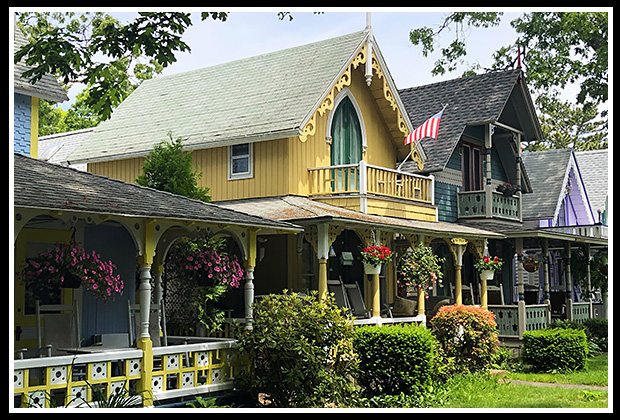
487,266
69,266
508,189
373,257
531,263
420,268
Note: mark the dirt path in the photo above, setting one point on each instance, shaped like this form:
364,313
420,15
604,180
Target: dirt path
549,384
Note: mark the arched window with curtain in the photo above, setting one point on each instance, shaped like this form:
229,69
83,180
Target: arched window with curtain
346,147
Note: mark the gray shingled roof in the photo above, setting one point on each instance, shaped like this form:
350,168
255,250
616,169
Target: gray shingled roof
594,168
546,169
42,185
46,88
267,95
472,100
303,210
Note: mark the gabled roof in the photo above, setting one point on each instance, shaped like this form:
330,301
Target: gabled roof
264,97
46,88
486,98
549,172
45,186
594,167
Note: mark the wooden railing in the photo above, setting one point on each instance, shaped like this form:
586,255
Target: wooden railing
202,367
363,178
473,204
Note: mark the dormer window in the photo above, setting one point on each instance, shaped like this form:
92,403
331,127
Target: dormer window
240,162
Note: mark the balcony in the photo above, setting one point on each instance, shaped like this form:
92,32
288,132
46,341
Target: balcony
363,178
473,204
374,190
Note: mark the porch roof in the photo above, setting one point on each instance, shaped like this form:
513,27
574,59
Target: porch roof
304,211
48,187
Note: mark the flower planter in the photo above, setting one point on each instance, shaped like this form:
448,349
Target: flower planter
487,274
372,269
531,267
71,281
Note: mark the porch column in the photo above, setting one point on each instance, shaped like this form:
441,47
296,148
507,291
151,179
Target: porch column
457,252
547,301
144,343
520,289
421,291
248,287
488,191
569,282
322,255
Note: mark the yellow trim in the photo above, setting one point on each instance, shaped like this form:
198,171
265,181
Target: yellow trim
34,127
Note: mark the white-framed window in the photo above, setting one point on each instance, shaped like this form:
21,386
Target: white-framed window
240,162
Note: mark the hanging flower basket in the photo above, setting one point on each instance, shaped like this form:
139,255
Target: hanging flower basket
531,263
373,257
372,269
487,264
68,266
508,189
419,268
487,275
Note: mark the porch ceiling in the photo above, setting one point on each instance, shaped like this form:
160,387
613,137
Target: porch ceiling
304,211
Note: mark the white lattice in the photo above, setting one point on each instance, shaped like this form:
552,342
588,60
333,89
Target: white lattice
58,375
187,379
99,370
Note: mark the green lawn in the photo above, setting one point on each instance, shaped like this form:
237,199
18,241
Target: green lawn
479,391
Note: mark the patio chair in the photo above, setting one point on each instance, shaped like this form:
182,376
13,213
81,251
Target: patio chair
495,295
466,291
356,301
57,327
159,335
337,288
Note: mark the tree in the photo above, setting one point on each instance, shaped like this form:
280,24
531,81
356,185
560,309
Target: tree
169,168
556,49
70,46
559,48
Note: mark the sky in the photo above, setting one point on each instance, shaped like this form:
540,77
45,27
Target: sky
249,32
252,31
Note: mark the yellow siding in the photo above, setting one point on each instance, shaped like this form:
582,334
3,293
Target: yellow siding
399,209
126,170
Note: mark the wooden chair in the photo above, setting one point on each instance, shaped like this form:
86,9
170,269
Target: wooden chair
58,326
495,295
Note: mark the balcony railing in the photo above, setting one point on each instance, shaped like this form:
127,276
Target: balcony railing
473,204
363,178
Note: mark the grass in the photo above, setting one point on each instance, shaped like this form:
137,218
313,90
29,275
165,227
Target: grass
486,391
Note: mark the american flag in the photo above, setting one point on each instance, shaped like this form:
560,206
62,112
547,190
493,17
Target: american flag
428,129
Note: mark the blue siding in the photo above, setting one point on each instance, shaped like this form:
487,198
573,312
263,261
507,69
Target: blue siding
21,121
115,244
446,201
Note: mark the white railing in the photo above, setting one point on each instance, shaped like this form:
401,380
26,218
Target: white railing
201,367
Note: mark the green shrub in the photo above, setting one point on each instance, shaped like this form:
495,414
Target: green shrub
598,331
467,336
394,359
300,351
555,350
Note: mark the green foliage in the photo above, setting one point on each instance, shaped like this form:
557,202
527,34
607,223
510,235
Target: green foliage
169,168
420,268
300,351
560,350
394,359
468,335
596,331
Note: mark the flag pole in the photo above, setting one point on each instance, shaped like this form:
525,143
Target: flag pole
413,148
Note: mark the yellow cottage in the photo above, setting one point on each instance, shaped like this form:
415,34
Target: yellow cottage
310,135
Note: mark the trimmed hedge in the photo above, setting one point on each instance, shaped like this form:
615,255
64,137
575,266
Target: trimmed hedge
394,359
562,350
